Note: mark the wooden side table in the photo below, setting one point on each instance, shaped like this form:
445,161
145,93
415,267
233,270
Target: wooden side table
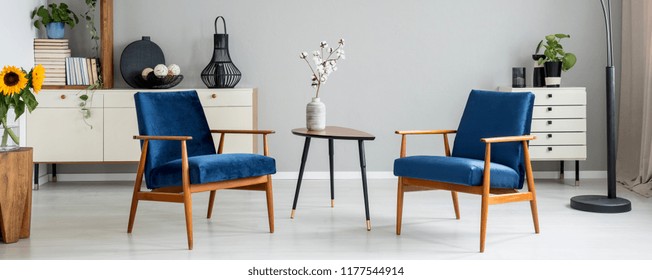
334,133
15,194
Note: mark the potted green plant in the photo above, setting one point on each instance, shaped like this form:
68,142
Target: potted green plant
539,75
53,18
556,59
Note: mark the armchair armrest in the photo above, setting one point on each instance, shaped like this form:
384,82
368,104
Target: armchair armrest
508,139
438,131
149,137
487,155
240,131
404,133
222,132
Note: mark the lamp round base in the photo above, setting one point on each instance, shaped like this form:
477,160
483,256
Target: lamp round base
600,204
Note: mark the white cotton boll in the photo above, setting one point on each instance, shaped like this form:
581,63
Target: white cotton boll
174,69
161,70
146,72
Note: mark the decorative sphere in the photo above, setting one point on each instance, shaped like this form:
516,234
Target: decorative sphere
161,70
174,69
146,72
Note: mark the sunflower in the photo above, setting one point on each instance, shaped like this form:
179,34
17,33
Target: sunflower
38,74
12,80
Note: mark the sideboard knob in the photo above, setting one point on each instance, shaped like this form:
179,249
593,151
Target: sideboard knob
549,149
213,95
63,96
550,95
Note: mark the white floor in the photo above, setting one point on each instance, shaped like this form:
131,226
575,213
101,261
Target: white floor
79,221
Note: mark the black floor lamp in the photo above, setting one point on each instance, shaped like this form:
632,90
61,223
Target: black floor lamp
609,203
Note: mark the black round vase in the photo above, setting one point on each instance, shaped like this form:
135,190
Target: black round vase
553,73
538,74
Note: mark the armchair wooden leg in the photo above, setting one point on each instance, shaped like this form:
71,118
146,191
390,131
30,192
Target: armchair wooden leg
134,200
533,204
211,201
132,213
535,214
187,205
456,205
530,186
137,184
483,220
270,203
399,206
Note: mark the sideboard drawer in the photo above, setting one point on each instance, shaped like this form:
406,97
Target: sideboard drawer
558,125
558,152
65,99
559,112
208,97
559,97
559,138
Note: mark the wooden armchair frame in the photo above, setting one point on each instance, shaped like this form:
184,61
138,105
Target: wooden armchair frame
489,195
182,194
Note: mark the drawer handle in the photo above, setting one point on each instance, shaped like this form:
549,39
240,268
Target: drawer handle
549,135
550,95
213,95
549,109
63,96
549,122
549,149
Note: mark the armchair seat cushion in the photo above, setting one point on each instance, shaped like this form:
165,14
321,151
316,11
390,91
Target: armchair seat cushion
212,168
455,170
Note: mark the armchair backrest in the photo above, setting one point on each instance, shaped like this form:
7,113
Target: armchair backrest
495,114
172,114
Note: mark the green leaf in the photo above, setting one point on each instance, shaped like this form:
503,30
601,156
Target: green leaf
550,38
538,47
568,61
561,36
19,109
83,97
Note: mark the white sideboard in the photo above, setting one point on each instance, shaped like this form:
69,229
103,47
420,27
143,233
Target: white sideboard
559,123
59,134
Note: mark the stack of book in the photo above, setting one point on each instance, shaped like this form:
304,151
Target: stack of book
52,54
81,71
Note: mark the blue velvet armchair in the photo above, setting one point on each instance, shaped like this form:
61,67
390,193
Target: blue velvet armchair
490,157
178,156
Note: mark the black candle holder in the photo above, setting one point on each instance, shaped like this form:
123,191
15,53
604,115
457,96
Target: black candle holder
220,71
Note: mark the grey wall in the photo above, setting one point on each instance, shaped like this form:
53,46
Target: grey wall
410,64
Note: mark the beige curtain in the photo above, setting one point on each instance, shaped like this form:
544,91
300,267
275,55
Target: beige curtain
634,164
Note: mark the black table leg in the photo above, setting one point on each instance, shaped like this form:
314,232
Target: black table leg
306,146
36,165
330,159
577,173
54,172
363,169
561,170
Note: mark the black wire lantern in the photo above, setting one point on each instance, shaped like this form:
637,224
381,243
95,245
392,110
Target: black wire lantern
220,71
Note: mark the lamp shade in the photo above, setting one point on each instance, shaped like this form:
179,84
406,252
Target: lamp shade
220,71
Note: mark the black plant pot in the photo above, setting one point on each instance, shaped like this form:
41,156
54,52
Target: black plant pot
538,74
553,73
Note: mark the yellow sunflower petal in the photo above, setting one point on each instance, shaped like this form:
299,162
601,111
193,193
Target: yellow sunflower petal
38,75
12,80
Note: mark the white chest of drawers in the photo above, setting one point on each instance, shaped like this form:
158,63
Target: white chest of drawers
559,123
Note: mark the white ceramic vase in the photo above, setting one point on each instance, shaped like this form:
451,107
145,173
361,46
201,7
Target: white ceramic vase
316,115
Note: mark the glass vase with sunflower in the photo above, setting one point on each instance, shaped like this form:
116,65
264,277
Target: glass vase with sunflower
18,88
